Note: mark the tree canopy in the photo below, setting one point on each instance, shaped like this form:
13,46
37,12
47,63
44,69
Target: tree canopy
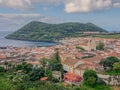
90,77
109,61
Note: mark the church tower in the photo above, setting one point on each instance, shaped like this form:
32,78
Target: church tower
92,44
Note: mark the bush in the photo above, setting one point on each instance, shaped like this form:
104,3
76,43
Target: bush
2,69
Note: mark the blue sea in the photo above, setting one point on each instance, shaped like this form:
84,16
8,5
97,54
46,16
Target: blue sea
18,43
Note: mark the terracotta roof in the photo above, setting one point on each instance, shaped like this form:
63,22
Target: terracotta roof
72,77
71,61
34,63
43,78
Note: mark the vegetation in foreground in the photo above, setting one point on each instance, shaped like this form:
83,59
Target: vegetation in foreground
26,77
24,83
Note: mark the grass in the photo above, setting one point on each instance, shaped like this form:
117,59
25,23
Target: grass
4,84
114,36
96,87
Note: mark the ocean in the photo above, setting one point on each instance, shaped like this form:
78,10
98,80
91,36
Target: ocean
19,43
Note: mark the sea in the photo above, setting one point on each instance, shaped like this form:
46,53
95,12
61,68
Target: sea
19,43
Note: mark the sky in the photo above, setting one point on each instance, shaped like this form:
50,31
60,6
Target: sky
14,14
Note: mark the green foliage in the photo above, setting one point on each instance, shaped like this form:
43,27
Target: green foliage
115,36
80,88
100,46
78,47
4,84
89,73
25,67
48,73
38,31
36,74
116,66
19,67
55,63
101,82
112,72
84,86
90,77
1,69
27,84
91,81
109,61
43,62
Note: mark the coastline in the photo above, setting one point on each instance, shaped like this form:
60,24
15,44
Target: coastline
56,42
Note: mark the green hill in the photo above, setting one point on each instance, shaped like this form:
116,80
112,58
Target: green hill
38,31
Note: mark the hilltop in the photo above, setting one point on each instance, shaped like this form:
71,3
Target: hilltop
39,31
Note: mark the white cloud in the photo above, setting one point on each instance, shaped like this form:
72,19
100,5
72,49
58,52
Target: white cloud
16,21
86,5
117,5
16,4
71,6
48,1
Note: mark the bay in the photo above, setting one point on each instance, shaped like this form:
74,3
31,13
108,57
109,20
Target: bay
18,43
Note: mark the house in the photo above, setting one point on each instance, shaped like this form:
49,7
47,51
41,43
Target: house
34,63
69,65
72,78
57,75
78,66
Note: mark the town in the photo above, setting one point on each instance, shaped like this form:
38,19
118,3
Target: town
76,56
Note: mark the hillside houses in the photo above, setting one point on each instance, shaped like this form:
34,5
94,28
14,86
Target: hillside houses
73,59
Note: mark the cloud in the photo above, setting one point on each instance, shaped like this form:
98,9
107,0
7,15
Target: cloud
16,4
48,1
71,6
16,21
117,4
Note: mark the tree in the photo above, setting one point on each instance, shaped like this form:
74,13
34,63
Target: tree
27,68
116,66
55,63
19,67
36,74
48,73
43,62
90,77
109,61
91,81
100,46
1,69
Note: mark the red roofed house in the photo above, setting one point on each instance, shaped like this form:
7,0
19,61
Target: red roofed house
72,78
